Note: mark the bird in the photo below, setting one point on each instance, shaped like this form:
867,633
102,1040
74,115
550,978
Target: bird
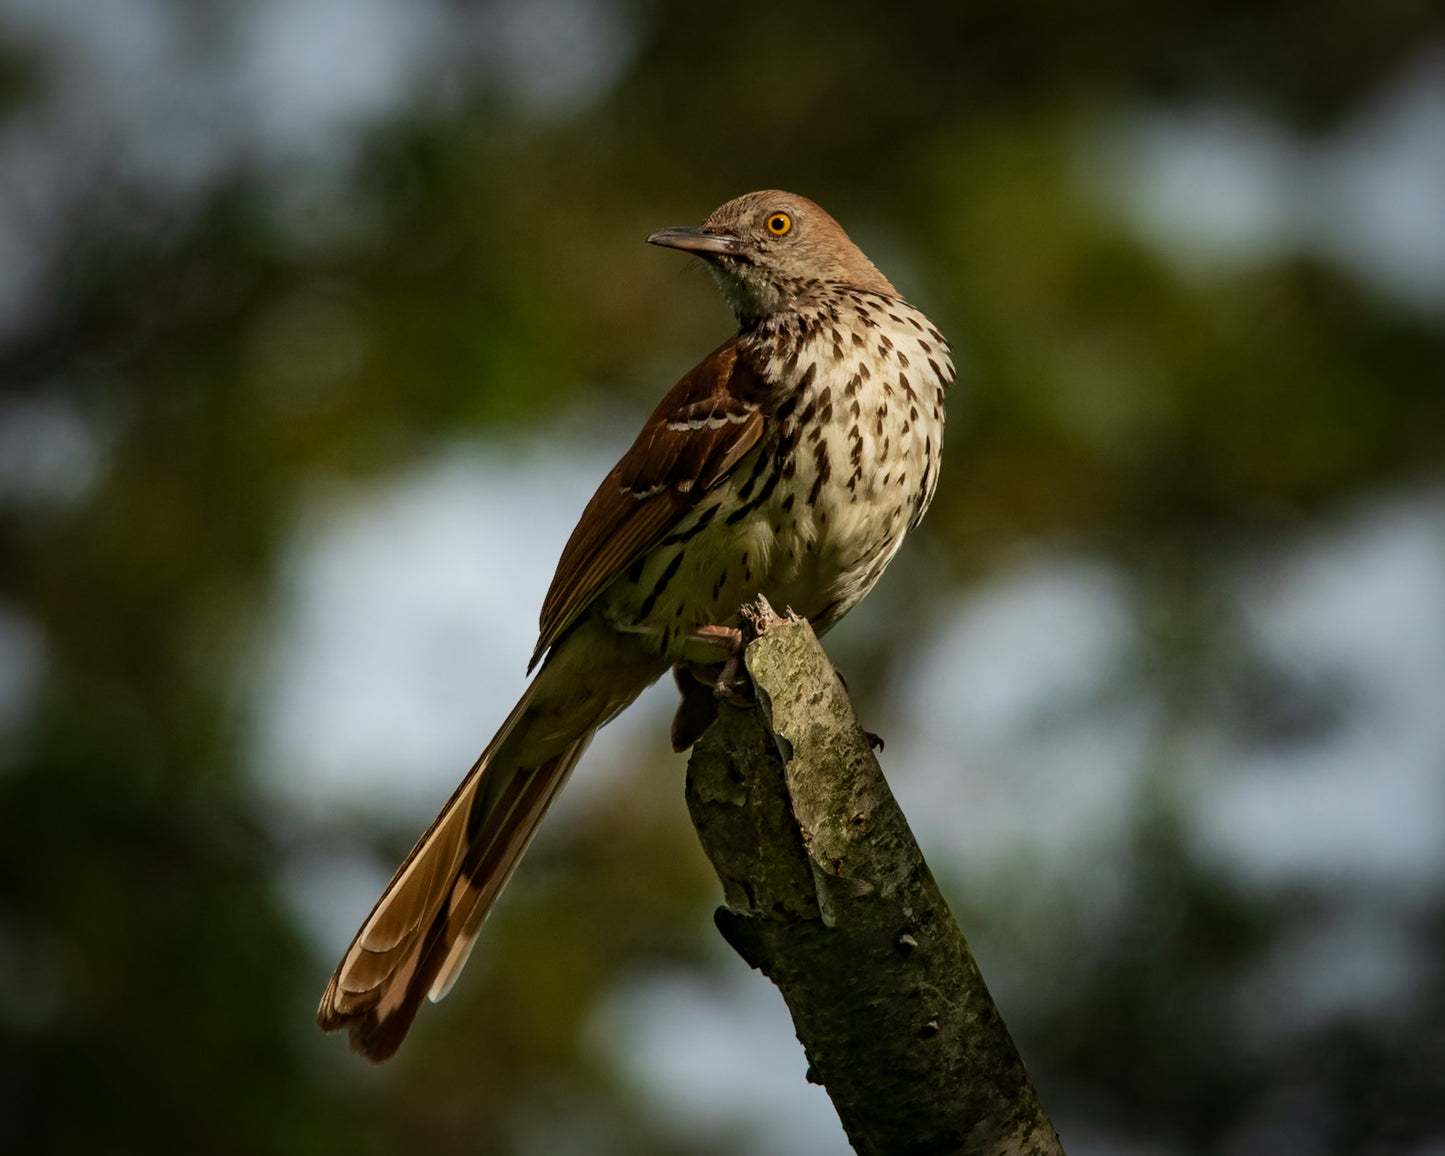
790,463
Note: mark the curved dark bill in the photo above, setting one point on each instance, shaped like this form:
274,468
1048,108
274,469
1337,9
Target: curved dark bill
691,239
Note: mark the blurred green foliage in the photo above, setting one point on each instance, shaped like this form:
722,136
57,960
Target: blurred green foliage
480,270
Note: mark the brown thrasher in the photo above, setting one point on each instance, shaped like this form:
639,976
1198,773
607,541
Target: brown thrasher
790,463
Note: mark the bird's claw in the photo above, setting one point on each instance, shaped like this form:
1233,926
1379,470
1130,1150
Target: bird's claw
728,638
730,684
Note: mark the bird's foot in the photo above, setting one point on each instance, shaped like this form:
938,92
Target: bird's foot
727,638
729,683
702,685
725,680
733,687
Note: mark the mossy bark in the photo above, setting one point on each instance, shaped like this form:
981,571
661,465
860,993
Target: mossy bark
828,895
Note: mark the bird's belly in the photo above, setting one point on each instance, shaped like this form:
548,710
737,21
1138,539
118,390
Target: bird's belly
830,552
817,555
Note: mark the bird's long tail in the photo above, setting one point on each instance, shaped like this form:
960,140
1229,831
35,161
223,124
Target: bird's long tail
421,930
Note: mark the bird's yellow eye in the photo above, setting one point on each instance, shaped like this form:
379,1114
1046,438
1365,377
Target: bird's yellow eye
779,223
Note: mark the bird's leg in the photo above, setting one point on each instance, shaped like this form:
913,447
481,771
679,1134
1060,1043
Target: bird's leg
728,638
726,685
703,683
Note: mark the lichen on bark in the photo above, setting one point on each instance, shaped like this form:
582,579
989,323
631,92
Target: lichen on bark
827,893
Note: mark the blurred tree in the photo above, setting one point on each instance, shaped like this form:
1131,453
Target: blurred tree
191,359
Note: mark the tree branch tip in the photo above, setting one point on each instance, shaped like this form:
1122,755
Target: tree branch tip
759,617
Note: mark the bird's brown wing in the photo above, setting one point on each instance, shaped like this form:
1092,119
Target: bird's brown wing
700,430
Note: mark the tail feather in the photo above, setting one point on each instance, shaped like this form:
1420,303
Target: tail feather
418,936
495,855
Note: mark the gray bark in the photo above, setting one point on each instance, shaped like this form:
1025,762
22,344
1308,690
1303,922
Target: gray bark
828,895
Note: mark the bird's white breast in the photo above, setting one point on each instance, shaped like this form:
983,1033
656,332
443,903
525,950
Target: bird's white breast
813,514
867,432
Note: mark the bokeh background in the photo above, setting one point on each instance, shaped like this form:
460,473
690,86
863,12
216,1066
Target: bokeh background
320,319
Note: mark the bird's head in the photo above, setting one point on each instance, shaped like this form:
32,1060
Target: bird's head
769,248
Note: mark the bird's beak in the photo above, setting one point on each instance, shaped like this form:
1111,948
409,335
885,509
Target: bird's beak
692,239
